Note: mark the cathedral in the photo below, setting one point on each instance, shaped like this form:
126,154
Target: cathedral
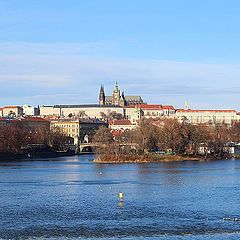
118,98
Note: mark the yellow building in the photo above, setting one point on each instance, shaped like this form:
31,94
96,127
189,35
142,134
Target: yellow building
69,128
81,130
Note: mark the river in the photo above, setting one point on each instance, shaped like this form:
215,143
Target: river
74,198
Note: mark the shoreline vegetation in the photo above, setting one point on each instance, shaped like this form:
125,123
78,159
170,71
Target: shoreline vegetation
23,142
168,140
154,158
152,140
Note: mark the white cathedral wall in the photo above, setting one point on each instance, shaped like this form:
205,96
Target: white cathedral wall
92,112
49,111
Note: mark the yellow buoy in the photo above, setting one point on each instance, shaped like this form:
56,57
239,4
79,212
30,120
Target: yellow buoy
121,196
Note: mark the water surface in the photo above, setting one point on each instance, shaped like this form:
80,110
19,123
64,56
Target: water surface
74,198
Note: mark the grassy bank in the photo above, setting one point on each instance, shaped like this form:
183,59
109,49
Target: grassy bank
145,158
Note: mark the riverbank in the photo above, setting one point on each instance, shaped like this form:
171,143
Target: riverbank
5,156
147,158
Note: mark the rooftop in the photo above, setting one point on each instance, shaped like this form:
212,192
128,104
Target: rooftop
83,120
205,110
35,119
121,122
152,106
168,107
128,98
12,107
83,106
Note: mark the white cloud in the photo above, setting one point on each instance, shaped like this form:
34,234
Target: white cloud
51,71
39,80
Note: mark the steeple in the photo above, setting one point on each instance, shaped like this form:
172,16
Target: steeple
123,100
116,87
116,97
102,96
186,107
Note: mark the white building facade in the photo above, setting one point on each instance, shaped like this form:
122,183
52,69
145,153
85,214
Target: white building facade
29,110
149,111
207,116
91,111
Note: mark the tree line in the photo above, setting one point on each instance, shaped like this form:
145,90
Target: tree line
169,135
13,137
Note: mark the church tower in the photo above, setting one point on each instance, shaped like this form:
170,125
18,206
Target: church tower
123,101
101,96
116,95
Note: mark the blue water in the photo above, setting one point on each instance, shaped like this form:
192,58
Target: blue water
74,198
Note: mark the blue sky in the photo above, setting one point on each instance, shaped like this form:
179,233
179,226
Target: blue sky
61,51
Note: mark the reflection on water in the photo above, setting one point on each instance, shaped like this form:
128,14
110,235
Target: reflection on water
73,198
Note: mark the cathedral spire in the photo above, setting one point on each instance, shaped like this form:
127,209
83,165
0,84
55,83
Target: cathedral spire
116,87
102,96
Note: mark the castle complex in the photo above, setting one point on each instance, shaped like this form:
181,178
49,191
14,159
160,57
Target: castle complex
129,107
81,120
118,98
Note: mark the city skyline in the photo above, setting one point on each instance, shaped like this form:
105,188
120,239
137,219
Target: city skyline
60,52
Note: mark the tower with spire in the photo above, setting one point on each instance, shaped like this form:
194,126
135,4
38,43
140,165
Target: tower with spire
101,96
116,95
118,98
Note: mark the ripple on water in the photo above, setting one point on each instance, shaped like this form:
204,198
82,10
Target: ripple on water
62,200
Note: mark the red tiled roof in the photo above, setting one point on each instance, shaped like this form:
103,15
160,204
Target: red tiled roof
121,122
12,107
35,119
210,110
146,106
152,106
168,107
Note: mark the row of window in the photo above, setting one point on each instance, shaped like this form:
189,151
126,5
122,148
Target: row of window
69,130
68,126
157,113
201,119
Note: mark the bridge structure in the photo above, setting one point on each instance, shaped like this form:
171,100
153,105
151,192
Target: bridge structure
89,147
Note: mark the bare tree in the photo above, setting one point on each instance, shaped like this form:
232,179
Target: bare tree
81,114
114,115
146,135
58,138
103,136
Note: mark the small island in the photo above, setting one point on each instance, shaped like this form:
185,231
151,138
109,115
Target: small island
166,140
153,158
145,158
